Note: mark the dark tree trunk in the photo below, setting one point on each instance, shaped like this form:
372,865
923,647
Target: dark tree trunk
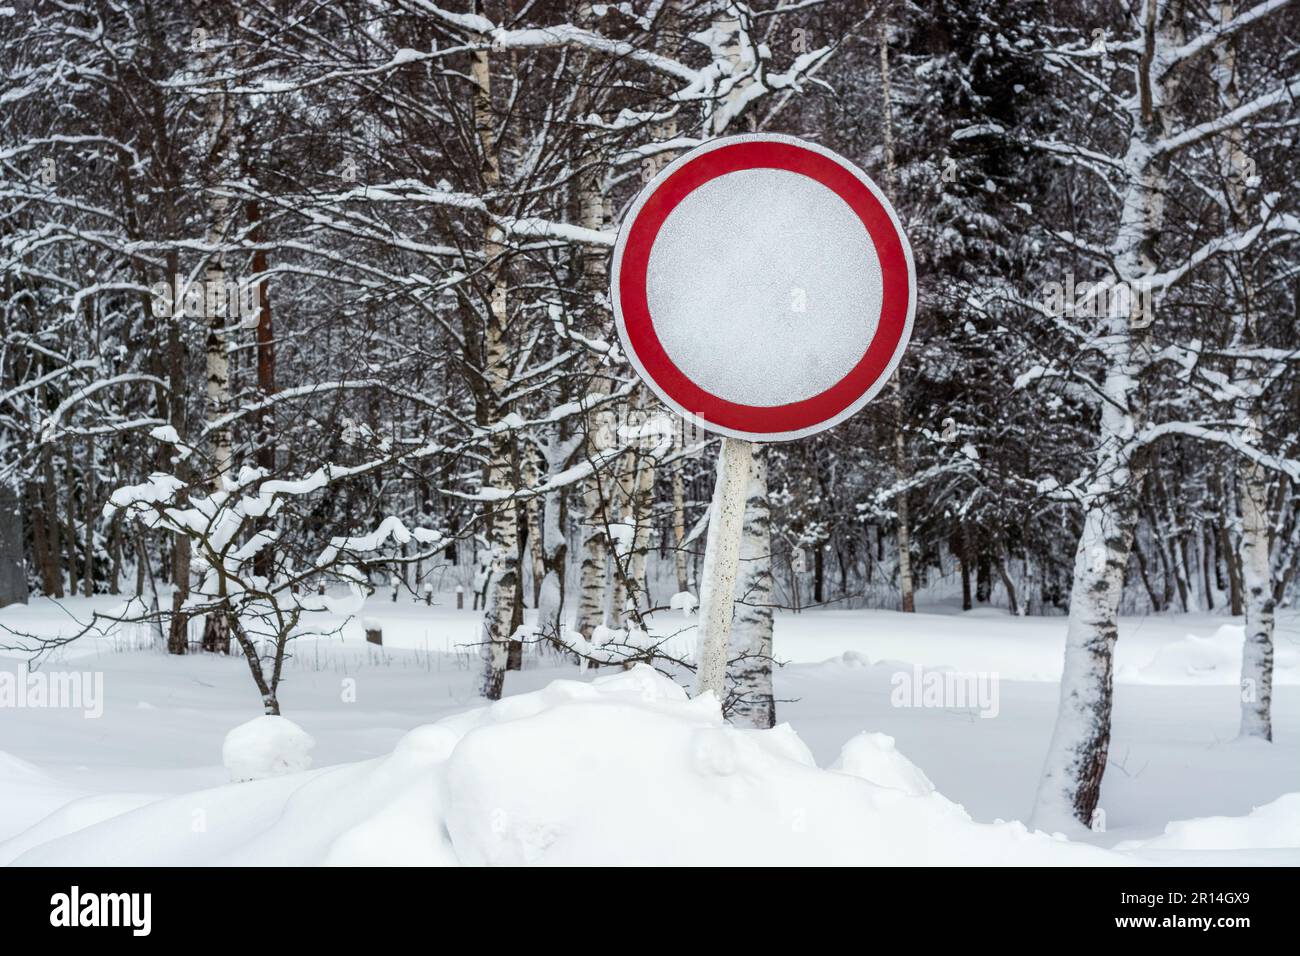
216,631
1227,554
515,655
70,515
960,544
1207,552
90,512
178,631
265,560
1156,604
819,574
1008,584
983,578
47,567
115,554
13,571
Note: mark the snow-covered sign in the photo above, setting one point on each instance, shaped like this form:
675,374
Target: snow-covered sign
763,286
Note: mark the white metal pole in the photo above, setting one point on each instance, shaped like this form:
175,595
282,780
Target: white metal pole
721,562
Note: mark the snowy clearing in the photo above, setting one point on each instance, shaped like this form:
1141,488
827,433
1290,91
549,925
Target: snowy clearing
409,767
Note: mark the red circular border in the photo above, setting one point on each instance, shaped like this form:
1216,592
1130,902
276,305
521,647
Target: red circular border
639,326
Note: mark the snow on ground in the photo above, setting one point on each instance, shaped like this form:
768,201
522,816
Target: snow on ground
408,766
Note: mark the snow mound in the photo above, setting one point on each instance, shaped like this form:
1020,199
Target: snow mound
622,770
683,601
874,757
855,660
1273,826
12,768
266,747
1210,660
626,769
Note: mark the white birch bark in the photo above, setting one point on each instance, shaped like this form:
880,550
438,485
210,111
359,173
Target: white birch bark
593,545
594,558
1071,782
641,514
749,673
1254,548
1257,585
1070,787
503,517
620,545
680,558
635,483
533,516
219,145
219,129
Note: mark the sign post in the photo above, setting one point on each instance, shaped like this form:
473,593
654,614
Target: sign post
722,562
763,288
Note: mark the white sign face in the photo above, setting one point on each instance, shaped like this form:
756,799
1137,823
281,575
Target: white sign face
763,286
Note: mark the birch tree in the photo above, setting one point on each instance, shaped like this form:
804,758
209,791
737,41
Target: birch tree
1156,58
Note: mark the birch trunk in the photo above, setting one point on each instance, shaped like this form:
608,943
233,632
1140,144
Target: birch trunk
620,541
592,569
503,518
533,519
750,667
636,515
550,601
665,131
642,517
1255,547
681,561
219,130
218,126
1257,584
593,574
1076,760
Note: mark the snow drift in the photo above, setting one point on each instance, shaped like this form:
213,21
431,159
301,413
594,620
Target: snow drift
1274,826
624,769
1215,659
266,746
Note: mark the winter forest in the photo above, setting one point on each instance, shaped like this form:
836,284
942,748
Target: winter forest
309,376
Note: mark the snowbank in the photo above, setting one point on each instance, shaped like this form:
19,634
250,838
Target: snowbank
266,746
874,757
625,769
1215,659
1274,826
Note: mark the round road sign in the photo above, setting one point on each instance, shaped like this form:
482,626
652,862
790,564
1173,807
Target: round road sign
762,285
